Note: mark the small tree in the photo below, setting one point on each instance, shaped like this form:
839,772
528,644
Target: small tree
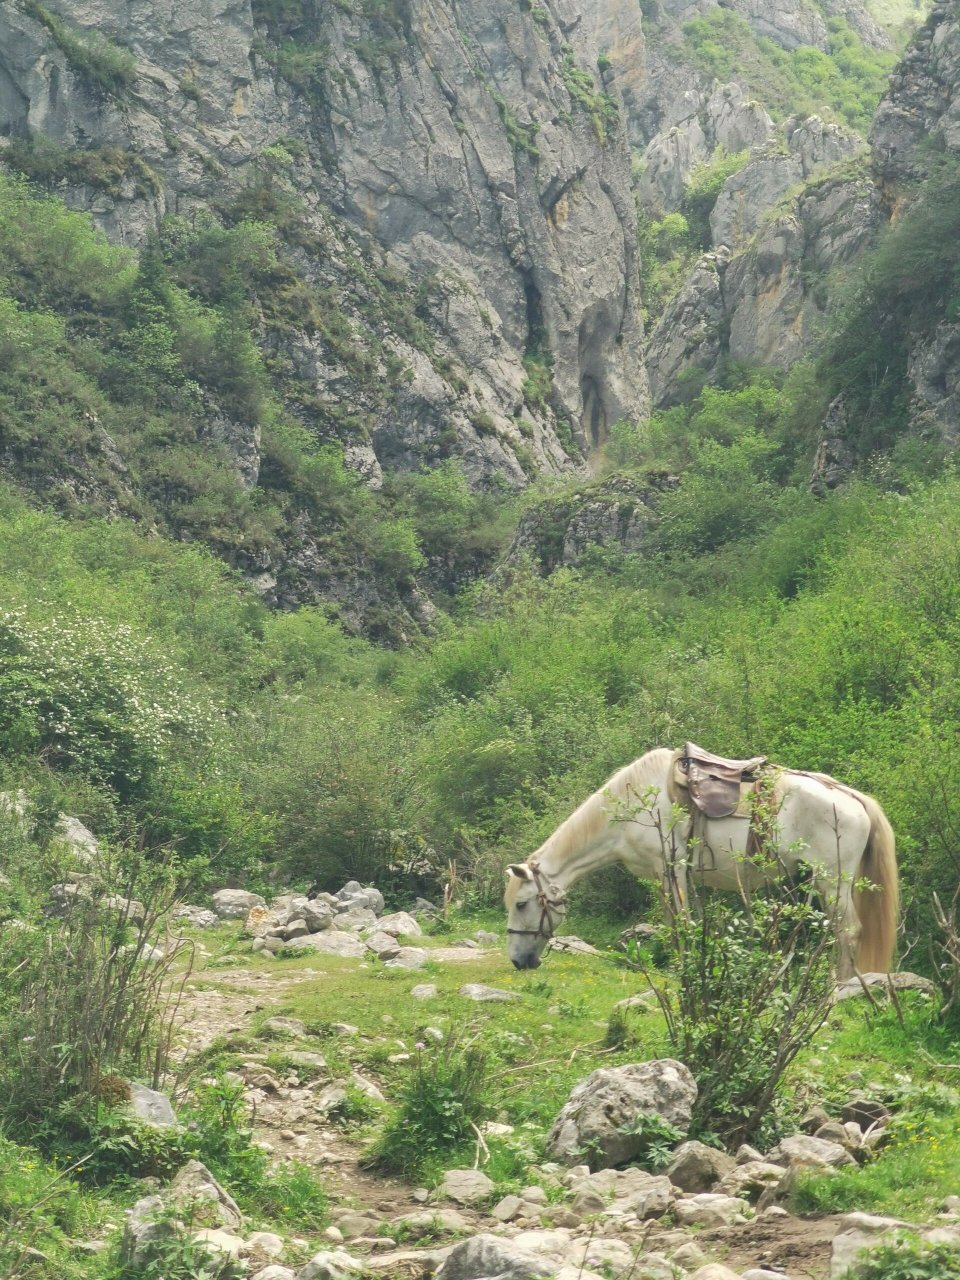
752,978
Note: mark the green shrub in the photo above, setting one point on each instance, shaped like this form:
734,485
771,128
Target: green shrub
443,1099
907,1259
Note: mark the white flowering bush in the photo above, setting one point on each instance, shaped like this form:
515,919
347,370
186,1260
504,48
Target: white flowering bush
83,694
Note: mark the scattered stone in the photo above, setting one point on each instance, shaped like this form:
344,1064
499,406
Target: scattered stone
833,1131
345,1029
899,981
642,1000
336,1264
689,1254
400,924
333,942
424,991
219,1241
571,945
466,944
508,1208
264,1243
612,1099
151,1108
318,915
235,904
951,1205
803,1150
420,1194
761,1273
864,1112
274,1272
334,1234
383,945
486,995
653,1201
330,1097
485,1257
416,1225
466,1186
83,843
353,1224
306,1058
746,1154
194,917
284,1027
751,1179
862,1231
603,1254
587,1202
813,1119
654,1266
486,938
409,958
696,1167
708,1211
195,1184
715,1271
354,920
143,1234
367,1087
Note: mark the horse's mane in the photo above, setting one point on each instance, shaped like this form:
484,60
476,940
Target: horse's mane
627,785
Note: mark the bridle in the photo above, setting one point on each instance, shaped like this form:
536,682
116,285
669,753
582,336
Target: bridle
551,898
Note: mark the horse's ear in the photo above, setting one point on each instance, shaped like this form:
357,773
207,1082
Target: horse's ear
520,870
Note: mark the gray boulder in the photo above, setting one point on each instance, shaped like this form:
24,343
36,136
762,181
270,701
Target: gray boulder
143,1234
466,1186
483,994
708,1211
195,1186
803,1150
333,942
601,1109
151,1108
697,1167
488,1257
235,904
331,1264
399,924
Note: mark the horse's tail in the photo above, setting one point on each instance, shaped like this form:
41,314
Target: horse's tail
878,908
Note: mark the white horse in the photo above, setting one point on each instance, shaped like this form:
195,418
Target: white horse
841,834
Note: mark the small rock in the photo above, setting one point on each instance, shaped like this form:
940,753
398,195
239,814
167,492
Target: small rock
752,1179
383,945
420,1194
864,1112
194,917
832,1131
486,939
408,958
265,1243
761,1273
534,1195
346,1029
219,1241
151,1108
489,1256
746,1154
715,1271
333,1234
333,1265
284,1027
689,1255
486,995
507,1209
466,943
708,1211
194,1184
813,1119
696,1167
466,1186
587,1202
274,1272
424,991
803,1150
367,1087
420,1224
571,945
353,1224
333,942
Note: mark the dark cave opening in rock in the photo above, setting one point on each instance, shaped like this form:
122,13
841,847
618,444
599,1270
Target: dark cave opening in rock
594,418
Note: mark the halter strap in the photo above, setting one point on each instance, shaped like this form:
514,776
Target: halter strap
548,896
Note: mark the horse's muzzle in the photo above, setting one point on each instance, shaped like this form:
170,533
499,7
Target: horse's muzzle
527,962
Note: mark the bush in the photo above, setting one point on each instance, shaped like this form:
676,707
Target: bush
441,1103
84,998
907,1259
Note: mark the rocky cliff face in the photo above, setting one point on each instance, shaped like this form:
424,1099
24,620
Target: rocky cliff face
479,148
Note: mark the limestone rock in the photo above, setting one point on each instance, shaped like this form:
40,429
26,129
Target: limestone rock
466,1186
194,917
235,904
143,1233
696,1167
333,942
409,958
195,1185
334,1264
751,1179
612,1099
151,1108
715,1271
424,991
482,994
804,1150
399,924
487,1257
708,1210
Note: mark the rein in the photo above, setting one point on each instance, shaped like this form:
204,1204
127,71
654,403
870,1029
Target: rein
546,902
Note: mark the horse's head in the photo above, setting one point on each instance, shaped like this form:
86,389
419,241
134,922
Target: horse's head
535,907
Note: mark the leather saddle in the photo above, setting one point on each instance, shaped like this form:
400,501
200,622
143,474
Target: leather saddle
717,785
